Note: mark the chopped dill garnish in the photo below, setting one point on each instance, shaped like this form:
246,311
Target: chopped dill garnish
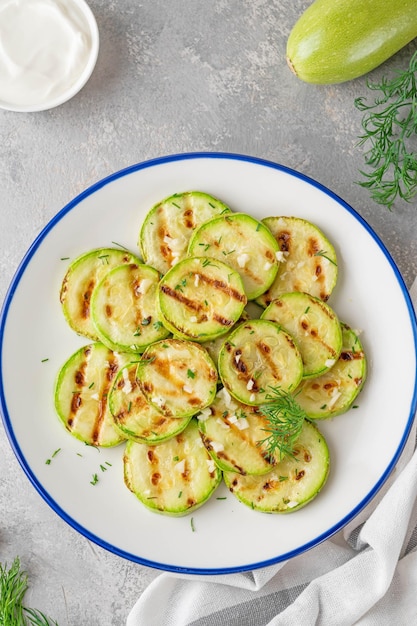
119,245
94,480
48,461
323,253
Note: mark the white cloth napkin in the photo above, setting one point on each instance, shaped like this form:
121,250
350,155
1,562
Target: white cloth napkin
366,575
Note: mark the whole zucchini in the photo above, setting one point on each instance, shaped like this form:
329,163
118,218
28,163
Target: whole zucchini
337,40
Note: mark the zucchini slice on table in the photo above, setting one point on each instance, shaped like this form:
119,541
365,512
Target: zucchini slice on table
77,287
175,477
232,432
334,392
308,259
242,242
314,326
167,228
177,377
256,356
200,298
134,416
123,308
292,483
81,394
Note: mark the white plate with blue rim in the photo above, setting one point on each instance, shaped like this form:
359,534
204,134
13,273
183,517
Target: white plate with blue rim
223,536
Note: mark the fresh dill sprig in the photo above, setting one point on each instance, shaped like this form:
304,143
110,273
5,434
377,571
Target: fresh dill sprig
390,126
13,586
285,421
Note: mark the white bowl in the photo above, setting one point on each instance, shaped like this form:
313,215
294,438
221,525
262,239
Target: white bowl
90,27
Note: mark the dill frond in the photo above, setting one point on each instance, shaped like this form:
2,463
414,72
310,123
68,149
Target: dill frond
285,419
13,586
389,127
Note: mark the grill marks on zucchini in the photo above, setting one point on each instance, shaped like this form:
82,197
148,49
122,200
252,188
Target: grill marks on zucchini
81,394
177,377
308,260
212,262
200,298
314,326
292,483
258,355
124,310
175,477
231,432
134,417
168,226
334,392
242,242
79,282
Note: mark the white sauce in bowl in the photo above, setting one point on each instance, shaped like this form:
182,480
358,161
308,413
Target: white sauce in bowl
48,49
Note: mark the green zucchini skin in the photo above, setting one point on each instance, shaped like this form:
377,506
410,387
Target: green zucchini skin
242,242
334,392
314,326
177,377
200,298
124,310
134,417
338,40
232,432
81,394
82,276
173,478
308,259
169,224
256,356
292,483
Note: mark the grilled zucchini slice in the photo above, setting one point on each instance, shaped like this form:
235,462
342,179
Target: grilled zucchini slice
81,393
232,432
175,477
177,377
167,228
292,483
123,308
334,392
256,356
243,243
314,326
200,298
79,281
134,417
308,259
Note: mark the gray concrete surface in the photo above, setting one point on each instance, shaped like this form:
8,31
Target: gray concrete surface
177,76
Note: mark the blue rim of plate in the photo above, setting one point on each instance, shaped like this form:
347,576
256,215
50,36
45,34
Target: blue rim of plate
3,404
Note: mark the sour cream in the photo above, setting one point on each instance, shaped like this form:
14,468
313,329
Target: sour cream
48,49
